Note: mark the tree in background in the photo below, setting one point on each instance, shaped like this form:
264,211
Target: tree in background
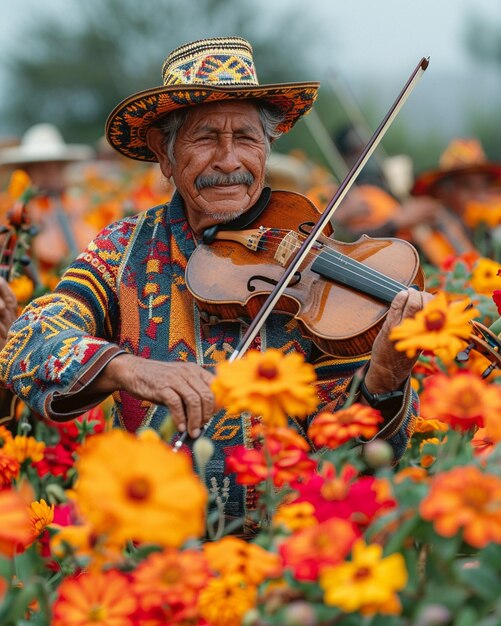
71,69
482,37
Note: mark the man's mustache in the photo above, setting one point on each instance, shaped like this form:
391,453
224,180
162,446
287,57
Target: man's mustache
212,180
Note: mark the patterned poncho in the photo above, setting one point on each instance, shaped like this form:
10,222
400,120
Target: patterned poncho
127,292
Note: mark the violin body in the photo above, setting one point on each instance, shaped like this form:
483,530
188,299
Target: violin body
231,279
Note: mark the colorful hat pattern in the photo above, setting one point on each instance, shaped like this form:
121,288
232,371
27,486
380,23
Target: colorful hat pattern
207,70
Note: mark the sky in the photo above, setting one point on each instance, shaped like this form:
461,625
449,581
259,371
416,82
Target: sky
375,46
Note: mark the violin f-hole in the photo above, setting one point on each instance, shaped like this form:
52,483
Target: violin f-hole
271,281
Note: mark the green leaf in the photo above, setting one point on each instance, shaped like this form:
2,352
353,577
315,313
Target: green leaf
466,617
482,580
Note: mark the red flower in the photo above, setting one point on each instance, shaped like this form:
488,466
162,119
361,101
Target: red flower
57,460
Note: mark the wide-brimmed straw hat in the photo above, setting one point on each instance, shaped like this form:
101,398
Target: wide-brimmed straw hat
204,71
44,142
462,156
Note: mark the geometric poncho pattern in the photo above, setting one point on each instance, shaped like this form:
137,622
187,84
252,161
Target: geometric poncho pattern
126,293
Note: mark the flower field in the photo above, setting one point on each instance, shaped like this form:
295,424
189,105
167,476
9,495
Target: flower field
343,535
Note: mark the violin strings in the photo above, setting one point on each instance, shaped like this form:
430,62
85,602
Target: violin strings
349,265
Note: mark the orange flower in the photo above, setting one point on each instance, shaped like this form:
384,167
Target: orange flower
23,288
429,425
231,555
483,442
9,470
416,474
156,499
270,384
308,551
5,435
295,516
441,327
428,459
19,183
224,601
41,515
94,600
463,401
15,524
25,448
171,577
466,499
334,429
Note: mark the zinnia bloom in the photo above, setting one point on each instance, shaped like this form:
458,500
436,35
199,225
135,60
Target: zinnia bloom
15,525
308,551
156,499
368,583
224,601
440,327
172,578
295,516
25,449
231,555
270,384
95,600
463,401
334,429
9,469
465,499
5,435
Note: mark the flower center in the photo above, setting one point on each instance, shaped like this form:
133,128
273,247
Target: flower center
362,573
435,320
335,489
469,400
476,497
267,370
97,613
138,489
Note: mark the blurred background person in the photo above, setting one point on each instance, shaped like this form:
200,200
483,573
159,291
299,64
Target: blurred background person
46,158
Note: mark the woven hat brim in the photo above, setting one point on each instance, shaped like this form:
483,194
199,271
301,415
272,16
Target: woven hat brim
128,122
425,183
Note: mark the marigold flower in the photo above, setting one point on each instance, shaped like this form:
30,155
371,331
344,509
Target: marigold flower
428,459
270,384
462,401
308,551
224,601
172,578
23,288
440,327
97,599
295,516
231,555
24,448
429,425
483,442
465,499
156,499
41,515
15,524
9,470
368,583
416,474
334,429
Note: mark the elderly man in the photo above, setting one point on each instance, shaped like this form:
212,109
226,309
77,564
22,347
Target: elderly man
122,321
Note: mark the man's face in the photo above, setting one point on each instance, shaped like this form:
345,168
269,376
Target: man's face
220,158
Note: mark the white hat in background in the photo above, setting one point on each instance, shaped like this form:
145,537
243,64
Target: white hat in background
44,142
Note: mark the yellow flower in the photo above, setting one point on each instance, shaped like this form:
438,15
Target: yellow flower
441,327
295,516
367,583
157,498
25,448
23,288
484,278
224,601
5,435
270,384
41,515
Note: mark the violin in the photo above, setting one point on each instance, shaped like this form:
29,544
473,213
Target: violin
340,294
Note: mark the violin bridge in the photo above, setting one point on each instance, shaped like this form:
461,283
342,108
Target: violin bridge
287,247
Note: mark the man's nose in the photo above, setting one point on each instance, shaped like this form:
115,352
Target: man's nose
226,157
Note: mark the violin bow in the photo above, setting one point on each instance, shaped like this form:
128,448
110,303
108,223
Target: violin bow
300,255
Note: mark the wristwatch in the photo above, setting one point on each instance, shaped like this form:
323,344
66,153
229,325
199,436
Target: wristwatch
382,401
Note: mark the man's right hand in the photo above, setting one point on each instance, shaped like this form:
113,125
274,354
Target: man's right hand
182,387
